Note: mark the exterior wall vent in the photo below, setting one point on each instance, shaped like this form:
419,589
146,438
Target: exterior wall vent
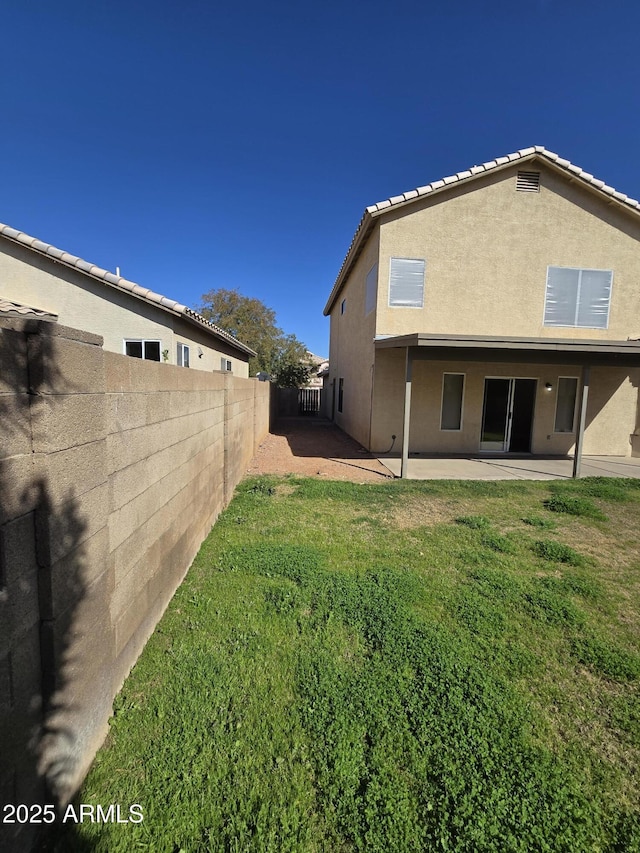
528,182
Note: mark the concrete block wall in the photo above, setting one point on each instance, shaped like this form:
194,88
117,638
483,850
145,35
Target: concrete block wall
112,472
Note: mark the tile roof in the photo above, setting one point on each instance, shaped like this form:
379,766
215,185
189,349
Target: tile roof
526,154
15,309
116,281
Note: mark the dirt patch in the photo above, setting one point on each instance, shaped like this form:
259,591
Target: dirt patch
313,447
421,512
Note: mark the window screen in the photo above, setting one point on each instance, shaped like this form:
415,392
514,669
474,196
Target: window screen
577,297
452,391
406,283
371,289
566,404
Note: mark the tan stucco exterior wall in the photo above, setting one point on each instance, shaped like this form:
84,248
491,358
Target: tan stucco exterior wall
82,303
487,249
611,411
351,350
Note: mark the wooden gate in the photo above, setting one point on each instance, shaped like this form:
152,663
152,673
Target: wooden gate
291,402
309,401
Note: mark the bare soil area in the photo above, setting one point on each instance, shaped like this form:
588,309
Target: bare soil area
314,447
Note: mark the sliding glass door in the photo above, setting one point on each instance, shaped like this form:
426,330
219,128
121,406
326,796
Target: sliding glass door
507,415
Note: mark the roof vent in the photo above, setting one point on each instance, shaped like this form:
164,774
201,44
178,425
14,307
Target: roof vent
528,182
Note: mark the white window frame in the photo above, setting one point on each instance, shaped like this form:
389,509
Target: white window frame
398,261
144,342
226,365
575,325
181,350
575,407
464,382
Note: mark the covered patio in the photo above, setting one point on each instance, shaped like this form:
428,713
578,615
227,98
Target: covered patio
442,467
582,355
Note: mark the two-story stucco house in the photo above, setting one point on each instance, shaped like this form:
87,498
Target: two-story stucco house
131,319
493,311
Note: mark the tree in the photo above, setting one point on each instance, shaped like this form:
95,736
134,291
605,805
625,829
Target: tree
283,357
291,365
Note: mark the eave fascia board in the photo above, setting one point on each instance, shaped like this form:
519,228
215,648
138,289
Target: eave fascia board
561,166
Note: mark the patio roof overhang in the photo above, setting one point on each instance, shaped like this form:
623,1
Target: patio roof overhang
584,353
515,349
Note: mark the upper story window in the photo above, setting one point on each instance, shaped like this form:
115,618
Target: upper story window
225,364
406,283
149,350
371,289
183,355
343,306
579,298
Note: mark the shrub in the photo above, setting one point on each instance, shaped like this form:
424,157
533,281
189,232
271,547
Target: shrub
496,585
556,552
606,490
296,562
538,521
606,657
550,605
478,614
475,522
258,487
574,506
497,542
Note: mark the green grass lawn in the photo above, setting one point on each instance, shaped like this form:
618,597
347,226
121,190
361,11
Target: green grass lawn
437,666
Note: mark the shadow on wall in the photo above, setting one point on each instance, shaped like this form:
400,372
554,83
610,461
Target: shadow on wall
36,629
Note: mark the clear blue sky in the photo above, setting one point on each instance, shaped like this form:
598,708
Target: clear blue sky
199,145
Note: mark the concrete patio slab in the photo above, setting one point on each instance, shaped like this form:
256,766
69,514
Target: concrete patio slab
511,468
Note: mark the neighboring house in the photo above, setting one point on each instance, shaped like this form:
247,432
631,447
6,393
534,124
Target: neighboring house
24,312
318,363
478,314
131,319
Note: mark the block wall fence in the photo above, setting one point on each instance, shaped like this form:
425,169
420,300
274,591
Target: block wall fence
112,472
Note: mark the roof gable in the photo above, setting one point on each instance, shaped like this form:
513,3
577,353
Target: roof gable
525,155
117,282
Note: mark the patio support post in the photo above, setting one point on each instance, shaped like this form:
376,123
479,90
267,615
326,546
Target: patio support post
584,396
407,413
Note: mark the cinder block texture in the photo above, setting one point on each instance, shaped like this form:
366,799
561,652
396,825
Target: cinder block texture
118,469
14,372
61,365
18,580
21,479
65,420
16,424
75,471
